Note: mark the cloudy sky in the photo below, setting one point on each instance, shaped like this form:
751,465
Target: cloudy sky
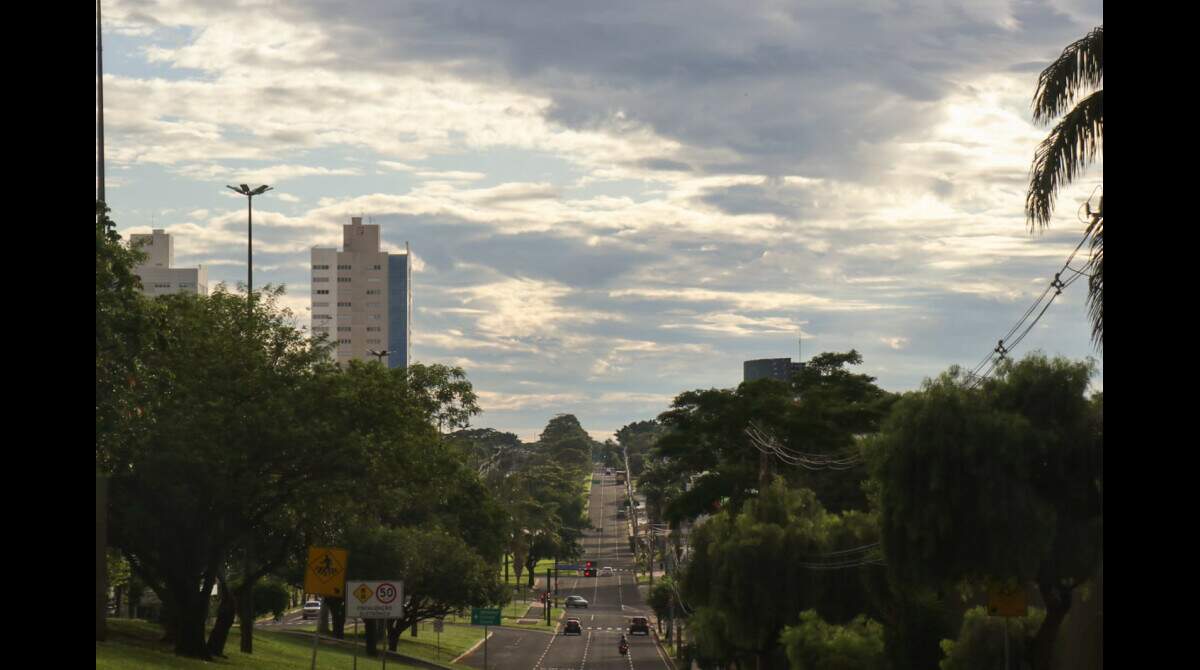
612,202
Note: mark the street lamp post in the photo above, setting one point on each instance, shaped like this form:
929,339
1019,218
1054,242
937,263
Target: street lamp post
378,354
249,193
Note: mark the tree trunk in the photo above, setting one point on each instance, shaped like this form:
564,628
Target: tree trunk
191,616
337,617
245,603
414,628
1058,602
226,612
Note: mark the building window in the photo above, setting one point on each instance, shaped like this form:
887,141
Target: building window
374,305
320,304
320,280
373,291
373,329
319,329
375,317
343,267
321,291
320,267
321,317
343,280
344,304
343,341
373,279
376,267
186,284
161,285
343,329
373,341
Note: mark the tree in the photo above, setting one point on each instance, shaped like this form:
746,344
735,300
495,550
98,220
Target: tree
122,330
1001,483
755,569
813,644
980,644
232,435
1070,147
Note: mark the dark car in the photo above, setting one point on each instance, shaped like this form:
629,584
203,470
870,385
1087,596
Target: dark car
575,601
639,624
572,627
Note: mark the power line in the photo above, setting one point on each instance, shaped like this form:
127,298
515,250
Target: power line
1007,343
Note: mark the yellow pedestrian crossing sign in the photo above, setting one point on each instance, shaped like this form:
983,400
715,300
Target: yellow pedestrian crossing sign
363,593
326,572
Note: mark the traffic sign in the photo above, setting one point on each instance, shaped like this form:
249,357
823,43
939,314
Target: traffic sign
1007,602
438,625
326,571
375,600
485,616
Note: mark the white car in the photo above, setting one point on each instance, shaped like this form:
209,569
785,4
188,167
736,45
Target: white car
312,609
575,601
606,572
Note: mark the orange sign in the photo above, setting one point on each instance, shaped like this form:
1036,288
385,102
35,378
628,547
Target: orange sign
1007,602
326,573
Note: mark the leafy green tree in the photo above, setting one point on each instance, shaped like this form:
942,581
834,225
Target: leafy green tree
980,645
1001,483
813,644
1071,146
754,570
231,435
122,330
565,442
271,596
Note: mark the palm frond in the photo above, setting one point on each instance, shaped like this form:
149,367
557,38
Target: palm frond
1095,267
1069,148
1080,65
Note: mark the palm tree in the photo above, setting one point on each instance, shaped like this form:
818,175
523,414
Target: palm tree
1070,147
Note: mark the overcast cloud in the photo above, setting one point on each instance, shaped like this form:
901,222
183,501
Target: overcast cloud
611,203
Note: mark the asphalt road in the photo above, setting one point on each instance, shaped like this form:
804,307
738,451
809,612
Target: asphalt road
611,603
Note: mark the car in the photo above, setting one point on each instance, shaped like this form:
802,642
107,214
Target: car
572,627
312,609
606,572
639,624
576,601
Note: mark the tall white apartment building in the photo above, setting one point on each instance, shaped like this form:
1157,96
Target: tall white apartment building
362,297
157,273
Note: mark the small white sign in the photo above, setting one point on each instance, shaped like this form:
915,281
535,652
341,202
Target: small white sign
375,600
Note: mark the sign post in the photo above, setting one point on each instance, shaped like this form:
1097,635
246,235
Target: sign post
438,625
376,600
325,575
1007,602
485,616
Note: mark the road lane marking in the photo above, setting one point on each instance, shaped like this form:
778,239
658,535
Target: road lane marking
586,646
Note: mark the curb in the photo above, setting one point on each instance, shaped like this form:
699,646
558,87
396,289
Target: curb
472,649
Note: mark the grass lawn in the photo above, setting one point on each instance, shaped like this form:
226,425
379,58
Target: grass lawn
134,645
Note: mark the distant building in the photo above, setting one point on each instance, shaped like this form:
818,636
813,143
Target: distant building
770,368
362,297
157,273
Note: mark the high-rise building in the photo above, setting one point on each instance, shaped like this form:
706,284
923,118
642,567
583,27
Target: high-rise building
770,368
157,273
362,297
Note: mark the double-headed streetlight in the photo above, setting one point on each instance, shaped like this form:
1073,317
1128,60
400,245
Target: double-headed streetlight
249,193
378,354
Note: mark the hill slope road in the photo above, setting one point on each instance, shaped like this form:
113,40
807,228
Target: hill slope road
611,603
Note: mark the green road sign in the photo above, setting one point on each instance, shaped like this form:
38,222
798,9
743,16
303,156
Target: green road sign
485,616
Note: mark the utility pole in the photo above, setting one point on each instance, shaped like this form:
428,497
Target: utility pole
99,107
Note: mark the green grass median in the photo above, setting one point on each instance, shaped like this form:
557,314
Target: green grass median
134,645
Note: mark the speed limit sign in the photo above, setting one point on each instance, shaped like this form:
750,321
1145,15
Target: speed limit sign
375,600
